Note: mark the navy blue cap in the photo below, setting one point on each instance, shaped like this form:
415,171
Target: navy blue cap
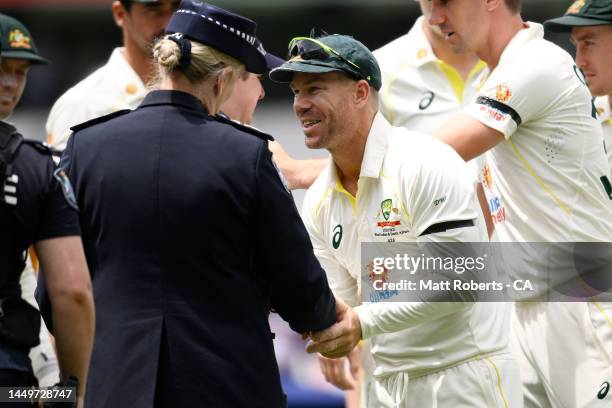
225,31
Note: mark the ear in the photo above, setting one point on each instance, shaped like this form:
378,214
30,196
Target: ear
119,13
491,5
362,92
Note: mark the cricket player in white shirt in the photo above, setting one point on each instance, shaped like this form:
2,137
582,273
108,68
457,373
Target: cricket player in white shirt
534,119
426,354
590,26
121,83
425,82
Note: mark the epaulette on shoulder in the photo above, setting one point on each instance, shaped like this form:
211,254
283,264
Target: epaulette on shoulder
101,119
42,147
245,128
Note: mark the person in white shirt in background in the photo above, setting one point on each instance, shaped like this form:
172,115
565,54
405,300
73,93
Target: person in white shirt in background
590,26
426,354
121,82
534,119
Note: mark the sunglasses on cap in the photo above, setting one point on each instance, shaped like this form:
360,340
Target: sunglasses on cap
309,48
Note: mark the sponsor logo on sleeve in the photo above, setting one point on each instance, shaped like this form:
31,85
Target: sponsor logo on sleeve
503,92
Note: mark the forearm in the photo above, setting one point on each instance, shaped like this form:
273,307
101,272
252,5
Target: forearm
70,293
389,317
74,331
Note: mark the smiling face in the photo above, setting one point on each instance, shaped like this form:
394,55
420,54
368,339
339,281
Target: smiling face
13,77
463,23
594,57
320,103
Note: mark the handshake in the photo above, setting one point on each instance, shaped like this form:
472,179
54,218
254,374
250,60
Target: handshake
339,339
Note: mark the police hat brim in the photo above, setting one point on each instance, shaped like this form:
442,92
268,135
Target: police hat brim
564,24
284,73
272,61
26,55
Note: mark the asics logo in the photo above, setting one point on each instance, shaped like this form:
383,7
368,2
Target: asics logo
603,390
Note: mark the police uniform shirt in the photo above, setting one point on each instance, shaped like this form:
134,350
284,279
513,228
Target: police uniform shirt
38,205
110,88
604,114
552,167
420,91
426,183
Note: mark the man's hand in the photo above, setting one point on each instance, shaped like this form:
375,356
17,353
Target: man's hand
341,338
335,373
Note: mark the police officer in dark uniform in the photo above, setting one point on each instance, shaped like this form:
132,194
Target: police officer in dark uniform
190,235
37,207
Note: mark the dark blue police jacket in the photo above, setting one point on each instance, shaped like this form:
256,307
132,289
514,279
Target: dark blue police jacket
191,237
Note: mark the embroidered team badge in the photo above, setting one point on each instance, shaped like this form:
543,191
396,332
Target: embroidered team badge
18,39
503,92
575,7
64,182
386,206
390,215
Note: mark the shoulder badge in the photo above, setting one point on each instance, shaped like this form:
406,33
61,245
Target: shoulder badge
241,126
101,119
42,147
64,181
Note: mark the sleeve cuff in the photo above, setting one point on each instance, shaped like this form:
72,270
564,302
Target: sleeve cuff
493,118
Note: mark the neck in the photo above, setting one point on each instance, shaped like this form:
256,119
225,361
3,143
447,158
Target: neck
204,92
499,37
463,62
140,62
349,156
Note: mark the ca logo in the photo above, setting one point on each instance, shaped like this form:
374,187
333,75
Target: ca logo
603,390
426,101
337,237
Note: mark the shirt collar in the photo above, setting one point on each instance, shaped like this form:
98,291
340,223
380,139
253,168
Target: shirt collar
419,48
604,112
124,77
534,31
178,98
376,147
373,157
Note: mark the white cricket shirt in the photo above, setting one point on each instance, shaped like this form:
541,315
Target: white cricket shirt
110,88
604,114
427,183
420,91
548,172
